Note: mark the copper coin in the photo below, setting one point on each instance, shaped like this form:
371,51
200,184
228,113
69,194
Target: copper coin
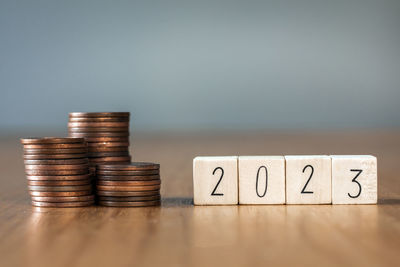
133,166
108,149
63,204
51,140
130,204
58,177
56,161
128,188
60,188
129,183
107,139
99,119
56,146
55,151
108,154
132,199
99,134
57,172
57,167
128,177
121,173
60,183
98,124
98,129
63,199
92,145
127,194
60,194
55,156
112,159
98,114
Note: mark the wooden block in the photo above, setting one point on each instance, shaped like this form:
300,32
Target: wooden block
262,180
215,180
354,179
308,180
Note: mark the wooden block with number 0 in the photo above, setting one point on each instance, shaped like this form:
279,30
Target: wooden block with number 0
261,180
308,180
215,180
354,179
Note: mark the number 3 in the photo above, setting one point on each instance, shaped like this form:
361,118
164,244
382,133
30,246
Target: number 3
355,181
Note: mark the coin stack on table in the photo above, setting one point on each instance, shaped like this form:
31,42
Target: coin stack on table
57,170
106,133
129,185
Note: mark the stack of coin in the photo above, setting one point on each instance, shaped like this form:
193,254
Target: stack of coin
129,185
106,133
57,170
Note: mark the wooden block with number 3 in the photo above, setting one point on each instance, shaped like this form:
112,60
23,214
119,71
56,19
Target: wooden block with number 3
215,180
308,180
354,179
261,180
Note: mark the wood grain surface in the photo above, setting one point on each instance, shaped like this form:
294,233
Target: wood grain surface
180,234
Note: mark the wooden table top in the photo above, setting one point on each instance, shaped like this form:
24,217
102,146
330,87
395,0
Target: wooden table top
180,234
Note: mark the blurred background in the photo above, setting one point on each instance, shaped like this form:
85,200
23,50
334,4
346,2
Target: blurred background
195,65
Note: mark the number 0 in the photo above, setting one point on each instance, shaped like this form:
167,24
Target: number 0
266,181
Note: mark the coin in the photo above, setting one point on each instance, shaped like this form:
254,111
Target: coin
111,159
60,183
133,166
99,119
57,167
51,140
99,134
130,204
127,188
108,154
129,183
63,199
60,194
63,204
55,151
106,139
56,172
92,145
60,188
55,146
127,177
127,194
98,124
98,114
108,149
55,156
96,130
58,177
121,173
56,161
133,199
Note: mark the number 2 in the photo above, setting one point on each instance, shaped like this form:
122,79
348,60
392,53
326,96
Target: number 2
303,191
219,181
355,181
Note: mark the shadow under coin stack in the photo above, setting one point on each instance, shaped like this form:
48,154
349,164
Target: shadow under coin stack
57,170
129,185
106,133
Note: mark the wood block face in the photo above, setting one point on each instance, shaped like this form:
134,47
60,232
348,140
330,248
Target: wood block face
354,179
215,180
261,180
308,180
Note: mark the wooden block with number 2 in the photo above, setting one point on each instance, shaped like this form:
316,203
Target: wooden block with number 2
215,180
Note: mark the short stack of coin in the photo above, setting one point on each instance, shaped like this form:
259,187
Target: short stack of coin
129,185
57,170
106,133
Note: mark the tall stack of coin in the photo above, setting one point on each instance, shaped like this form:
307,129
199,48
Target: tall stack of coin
106,133
129,185
57,170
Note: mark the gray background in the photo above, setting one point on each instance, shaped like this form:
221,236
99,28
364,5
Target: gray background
201,64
